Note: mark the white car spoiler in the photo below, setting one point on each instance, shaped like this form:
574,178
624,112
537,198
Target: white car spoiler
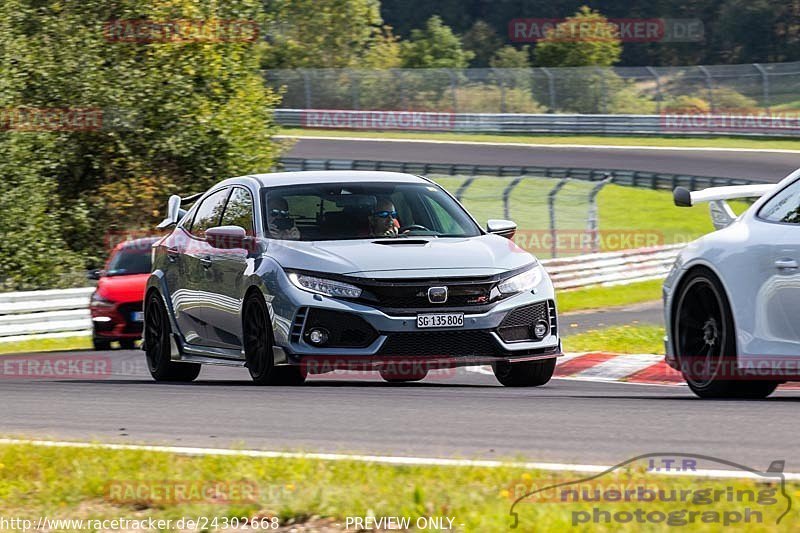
721,213
174,211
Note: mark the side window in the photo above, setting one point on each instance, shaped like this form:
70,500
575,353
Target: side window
208,213
239,210
784,207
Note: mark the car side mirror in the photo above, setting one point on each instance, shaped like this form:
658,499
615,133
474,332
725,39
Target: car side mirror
504,228
226,237
95,274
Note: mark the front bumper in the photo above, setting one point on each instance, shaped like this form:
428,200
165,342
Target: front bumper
398,338
117,322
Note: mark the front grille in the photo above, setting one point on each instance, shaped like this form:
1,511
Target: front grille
517,324
345,330
414,294
441,343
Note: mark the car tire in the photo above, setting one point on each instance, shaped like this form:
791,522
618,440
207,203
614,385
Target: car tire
127,344
394,377
101,345
260,361
705,341
157,333
524,373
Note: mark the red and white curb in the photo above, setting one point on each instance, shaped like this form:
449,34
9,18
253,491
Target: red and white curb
648,369
604,366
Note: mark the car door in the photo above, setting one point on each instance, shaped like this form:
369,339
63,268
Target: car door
777,304
226,275
191,298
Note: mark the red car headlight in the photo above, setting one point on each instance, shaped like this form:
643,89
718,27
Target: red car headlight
98,302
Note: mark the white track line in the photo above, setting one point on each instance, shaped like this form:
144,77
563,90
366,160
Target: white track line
382,459
542,145
619,367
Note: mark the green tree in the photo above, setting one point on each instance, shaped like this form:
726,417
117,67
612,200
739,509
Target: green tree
177,115
322,33
435,46
585,39
483,42
511,57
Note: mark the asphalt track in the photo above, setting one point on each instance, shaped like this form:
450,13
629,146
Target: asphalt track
451,414
757,165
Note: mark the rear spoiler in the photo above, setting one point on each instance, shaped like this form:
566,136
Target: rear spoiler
721,213
174,211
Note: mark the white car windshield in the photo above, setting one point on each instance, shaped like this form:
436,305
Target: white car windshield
364,211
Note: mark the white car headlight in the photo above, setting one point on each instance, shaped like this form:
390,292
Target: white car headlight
522,282
327,287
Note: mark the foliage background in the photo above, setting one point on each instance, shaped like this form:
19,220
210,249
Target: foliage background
177,117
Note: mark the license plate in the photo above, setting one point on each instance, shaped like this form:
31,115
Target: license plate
440,320
137,316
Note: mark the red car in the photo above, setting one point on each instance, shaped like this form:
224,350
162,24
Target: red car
116,305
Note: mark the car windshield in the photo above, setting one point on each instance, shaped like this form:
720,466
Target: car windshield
132,260
364,211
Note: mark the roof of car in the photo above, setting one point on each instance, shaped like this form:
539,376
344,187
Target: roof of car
136,243
334,176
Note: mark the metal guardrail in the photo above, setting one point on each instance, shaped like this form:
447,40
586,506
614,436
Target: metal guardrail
688,124
633,178
612,268
51,313
59,313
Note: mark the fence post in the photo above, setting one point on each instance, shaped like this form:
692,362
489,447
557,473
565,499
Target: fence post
501,79
453,88
709,85
551,208
764,83
603,90
660,97
397,75
592,222
306,88
551,86
355,84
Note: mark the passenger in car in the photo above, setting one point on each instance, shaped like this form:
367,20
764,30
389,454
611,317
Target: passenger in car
280,225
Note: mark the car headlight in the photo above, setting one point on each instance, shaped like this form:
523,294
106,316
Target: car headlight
522,282
99,301
327,287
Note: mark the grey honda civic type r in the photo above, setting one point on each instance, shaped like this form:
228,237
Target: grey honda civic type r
297,273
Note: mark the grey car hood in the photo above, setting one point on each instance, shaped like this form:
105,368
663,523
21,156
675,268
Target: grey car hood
406,257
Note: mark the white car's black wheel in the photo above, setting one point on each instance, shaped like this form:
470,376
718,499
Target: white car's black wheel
524,373
157,332
705,341
258,347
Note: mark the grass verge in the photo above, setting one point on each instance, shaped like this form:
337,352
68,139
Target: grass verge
601,297
643,338
46,345
689,142
95,484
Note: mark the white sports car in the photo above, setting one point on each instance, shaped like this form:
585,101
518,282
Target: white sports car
732,298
